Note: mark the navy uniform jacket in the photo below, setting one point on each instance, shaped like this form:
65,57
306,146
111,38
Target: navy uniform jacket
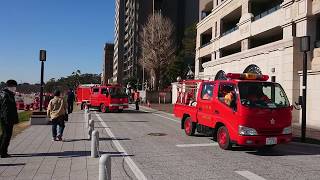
8,109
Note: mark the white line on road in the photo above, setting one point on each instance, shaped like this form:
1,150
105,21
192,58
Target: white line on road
197,145
249,175
134,168
174,120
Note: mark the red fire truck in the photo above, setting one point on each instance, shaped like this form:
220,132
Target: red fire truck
105,98
244,109
83,93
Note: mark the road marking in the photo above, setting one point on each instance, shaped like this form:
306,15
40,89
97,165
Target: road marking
197,145
174,120
249,175
134,168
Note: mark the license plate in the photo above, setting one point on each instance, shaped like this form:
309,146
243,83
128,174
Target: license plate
271,140
120,107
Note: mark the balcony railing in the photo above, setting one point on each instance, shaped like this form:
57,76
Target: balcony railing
267,12
230,30
205,44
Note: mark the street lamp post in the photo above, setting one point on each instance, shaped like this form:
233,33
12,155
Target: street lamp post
43,57
304,47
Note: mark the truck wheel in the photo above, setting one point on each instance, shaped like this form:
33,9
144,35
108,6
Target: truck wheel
103,108
224,138
189,127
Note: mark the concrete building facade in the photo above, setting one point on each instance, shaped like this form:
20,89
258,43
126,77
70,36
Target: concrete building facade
262,36
118,57
107,72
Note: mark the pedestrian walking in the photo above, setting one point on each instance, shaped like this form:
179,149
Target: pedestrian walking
70,100
8,116
136,98
58,114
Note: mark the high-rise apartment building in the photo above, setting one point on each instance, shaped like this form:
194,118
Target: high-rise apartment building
118,56
131,15
107,72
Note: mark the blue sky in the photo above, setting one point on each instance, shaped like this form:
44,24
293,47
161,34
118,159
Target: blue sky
72,31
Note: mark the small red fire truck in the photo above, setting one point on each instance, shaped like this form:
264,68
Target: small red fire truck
83,93
244,109
105,98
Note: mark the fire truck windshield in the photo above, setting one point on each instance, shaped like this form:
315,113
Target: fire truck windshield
117,92
262,95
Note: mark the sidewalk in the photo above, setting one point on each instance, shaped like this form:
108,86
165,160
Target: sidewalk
312,134
36,156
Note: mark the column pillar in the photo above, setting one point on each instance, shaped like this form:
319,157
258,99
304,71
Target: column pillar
245,44
245,24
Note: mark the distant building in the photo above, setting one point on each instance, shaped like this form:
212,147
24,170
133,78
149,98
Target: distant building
131,15
107,73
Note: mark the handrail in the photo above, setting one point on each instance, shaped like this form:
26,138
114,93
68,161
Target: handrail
267,12
230,30
206,44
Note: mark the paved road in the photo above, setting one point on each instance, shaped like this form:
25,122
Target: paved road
176,156
138,154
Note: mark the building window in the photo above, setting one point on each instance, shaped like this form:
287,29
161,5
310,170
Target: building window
202,61
216,29
205,37
263,8
253,69
317,43
221,75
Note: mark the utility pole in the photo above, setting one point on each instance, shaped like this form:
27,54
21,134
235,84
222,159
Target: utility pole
304,47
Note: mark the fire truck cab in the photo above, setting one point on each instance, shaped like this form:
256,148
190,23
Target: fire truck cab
109,98
245,110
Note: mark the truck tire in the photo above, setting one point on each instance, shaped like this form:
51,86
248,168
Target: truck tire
103,108
189,127
223,138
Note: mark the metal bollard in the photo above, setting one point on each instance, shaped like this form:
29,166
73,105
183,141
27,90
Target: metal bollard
86,110
91,128
88,118
105,167
95,144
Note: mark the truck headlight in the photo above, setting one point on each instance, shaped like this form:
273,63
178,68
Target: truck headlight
245,131
287,130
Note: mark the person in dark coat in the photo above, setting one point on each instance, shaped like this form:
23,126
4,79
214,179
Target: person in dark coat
70,100
8,116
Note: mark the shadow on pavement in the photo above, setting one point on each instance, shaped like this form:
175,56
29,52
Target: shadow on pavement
15,164
128,121
282,150
100,139
130,111
64,154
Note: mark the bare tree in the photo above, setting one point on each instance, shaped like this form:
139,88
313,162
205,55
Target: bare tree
157,46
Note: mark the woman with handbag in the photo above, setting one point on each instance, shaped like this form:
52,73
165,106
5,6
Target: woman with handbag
57,110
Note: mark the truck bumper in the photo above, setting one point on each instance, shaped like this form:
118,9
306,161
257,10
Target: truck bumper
259,141
118,107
